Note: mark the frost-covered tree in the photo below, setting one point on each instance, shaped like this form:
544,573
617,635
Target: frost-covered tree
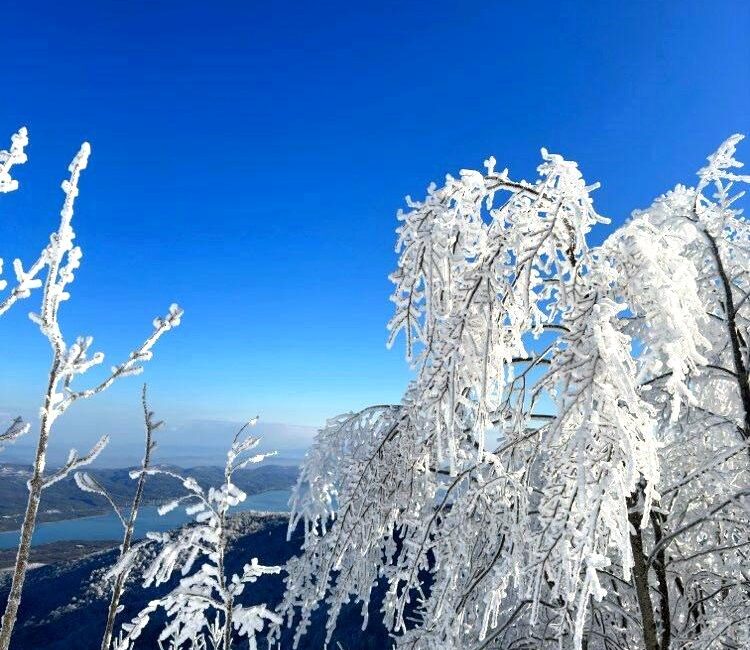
90,484
51,273
570,466
203,611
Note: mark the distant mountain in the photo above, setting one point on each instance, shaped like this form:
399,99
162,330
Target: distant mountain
65,604
64,500
186,444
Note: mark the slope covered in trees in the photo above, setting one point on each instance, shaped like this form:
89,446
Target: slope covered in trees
65,500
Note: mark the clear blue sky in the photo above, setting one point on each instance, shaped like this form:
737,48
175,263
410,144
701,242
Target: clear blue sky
249,157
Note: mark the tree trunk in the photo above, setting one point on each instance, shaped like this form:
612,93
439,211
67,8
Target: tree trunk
24,546
640,577
660,568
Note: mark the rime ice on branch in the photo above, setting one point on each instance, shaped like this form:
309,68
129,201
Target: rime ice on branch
13,156
57,264
26,281
15,430
203,610
90,484
570,463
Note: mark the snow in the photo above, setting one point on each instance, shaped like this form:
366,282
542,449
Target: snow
572,405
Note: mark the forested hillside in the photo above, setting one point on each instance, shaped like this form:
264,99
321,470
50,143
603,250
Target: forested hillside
64,500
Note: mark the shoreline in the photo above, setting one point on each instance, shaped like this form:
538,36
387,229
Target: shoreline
151,504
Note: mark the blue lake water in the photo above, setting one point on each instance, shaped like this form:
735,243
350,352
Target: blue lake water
108,526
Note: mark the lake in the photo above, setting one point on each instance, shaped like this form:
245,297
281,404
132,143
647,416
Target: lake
104,527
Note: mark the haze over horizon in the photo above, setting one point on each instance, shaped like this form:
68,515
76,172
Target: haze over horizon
189,443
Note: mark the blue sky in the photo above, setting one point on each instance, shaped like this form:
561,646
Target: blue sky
249,158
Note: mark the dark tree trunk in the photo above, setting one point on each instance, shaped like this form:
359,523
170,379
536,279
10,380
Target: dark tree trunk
640,576
660,568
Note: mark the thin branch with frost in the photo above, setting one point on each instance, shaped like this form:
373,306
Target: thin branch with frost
13,156
204,605
88,483
60,259
26,281
15,430
75,462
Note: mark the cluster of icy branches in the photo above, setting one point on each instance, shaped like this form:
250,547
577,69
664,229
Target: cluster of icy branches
569,468
203,611
51,274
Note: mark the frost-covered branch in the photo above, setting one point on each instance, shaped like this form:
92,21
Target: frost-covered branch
26,282
75,462
79,362
15,430
204,604
123,566
576,412
59,261
13,156
88,483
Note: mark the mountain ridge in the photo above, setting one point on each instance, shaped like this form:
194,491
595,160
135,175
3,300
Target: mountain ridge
64,500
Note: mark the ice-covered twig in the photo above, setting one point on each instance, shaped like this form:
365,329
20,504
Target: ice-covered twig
130,367
210,588
88,483
26,280
13,156
75,461
16,429
720,164
241,446
128,551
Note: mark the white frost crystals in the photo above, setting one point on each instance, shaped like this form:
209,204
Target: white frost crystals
203,609
13,156
52,273
15,430
569,467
